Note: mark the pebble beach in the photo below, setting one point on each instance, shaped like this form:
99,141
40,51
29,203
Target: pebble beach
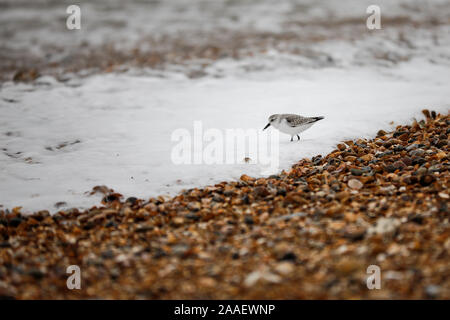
309,232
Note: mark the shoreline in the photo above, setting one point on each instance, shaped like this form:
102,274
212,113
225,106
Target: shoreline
307,233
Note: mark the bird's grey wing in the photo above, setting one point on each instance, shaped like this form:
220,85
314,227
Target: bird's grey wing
294,120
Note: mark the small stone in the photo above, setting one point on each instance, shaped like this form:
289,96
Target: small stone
390,168
5,244
180,249
387,144
107,254
412,147
426,180
193,216
131,200
290,216
348,266
398,148
384,226
418,160
421,171
217,198
443,195
60,204
111,198
354,233
441,155
178,221
355,184
171,238
281,192
289,256
207,282
194,206
350,158
416,218
255,276
261,191
26,75
407,161
246,178
252,278
36,274
426,113
356,172
284,268
249,220
432,291
144,229
416,153
111,223
399,165
367,157
15,222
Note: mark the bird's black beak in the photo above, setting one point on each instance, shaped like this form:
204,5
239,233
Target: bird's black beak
268,125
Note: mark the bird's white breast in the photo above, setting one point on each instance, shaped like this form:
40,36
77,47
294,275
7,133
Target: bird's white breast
284,127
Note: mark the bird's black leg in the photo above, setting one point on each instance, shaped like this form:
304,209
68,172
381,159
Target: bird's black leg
292,138
298,137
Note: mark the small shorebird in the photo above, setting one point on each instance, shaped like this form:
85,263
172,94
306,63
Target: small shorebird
291,124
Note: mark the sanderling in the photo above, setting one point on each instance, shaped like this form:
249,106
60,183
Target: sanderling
291,123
